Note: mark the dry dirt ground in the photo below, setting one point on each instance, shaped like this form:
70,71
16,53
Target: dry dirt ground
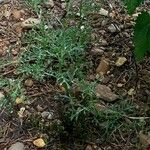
130,80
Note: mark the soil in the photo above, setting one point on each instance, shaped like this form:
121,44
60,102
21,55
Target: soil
43,96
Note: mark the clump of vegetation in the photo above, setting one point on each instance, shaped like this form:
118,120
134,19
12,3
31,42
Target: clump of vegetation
61,54
55,53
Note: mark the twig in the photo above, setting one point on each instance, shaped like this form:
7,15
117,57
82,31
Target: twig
139,118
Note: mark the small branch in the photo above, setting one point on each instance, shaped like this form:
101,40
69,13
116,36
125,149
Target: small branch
139,118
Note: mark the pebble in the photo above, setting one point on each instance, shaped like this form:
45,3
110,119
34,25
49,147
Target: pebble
112,28
89,147
120,61
103,12
44,114
97,51
39,108
119,85
103,42
49,3
104,23
28,82
104,92
47,115
17,146
50,116
103,66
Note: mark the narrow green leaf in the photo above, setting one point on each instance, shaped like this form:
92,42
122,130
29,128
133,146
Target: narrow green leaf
132,4
142,35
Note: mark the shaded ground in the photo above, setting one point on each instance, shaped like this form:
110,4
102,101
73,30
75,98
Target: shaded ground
54,128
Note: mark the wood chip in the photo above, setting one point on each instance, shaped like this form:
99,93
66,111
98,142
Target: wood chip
120,61
103,67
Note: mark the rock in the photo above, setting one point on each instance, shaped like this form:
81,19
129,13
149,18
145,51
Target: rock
103,42
30,22
44,114
28,82
105,93
63,5
119,85
100,107
89,147
47,115
97,51
39,108
120,61
14,52
17,146
103,67
50,116
112,28
104,22
103,12
39,143
49,3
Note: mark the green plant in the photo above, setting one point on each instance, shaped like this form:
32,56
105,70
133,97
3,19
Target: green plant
55,53
35,4
141,30
13,88
132,4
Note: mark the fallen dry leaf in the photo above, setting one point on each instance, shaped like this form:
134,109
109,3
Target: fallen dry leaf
144,140
19,100
62,88
39,143
30,22
120,61
105,93
16,14
1,95
131,92
103,67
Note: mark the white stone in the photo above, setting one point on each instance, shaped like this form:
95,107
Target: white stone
112,28
17,146
103,12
